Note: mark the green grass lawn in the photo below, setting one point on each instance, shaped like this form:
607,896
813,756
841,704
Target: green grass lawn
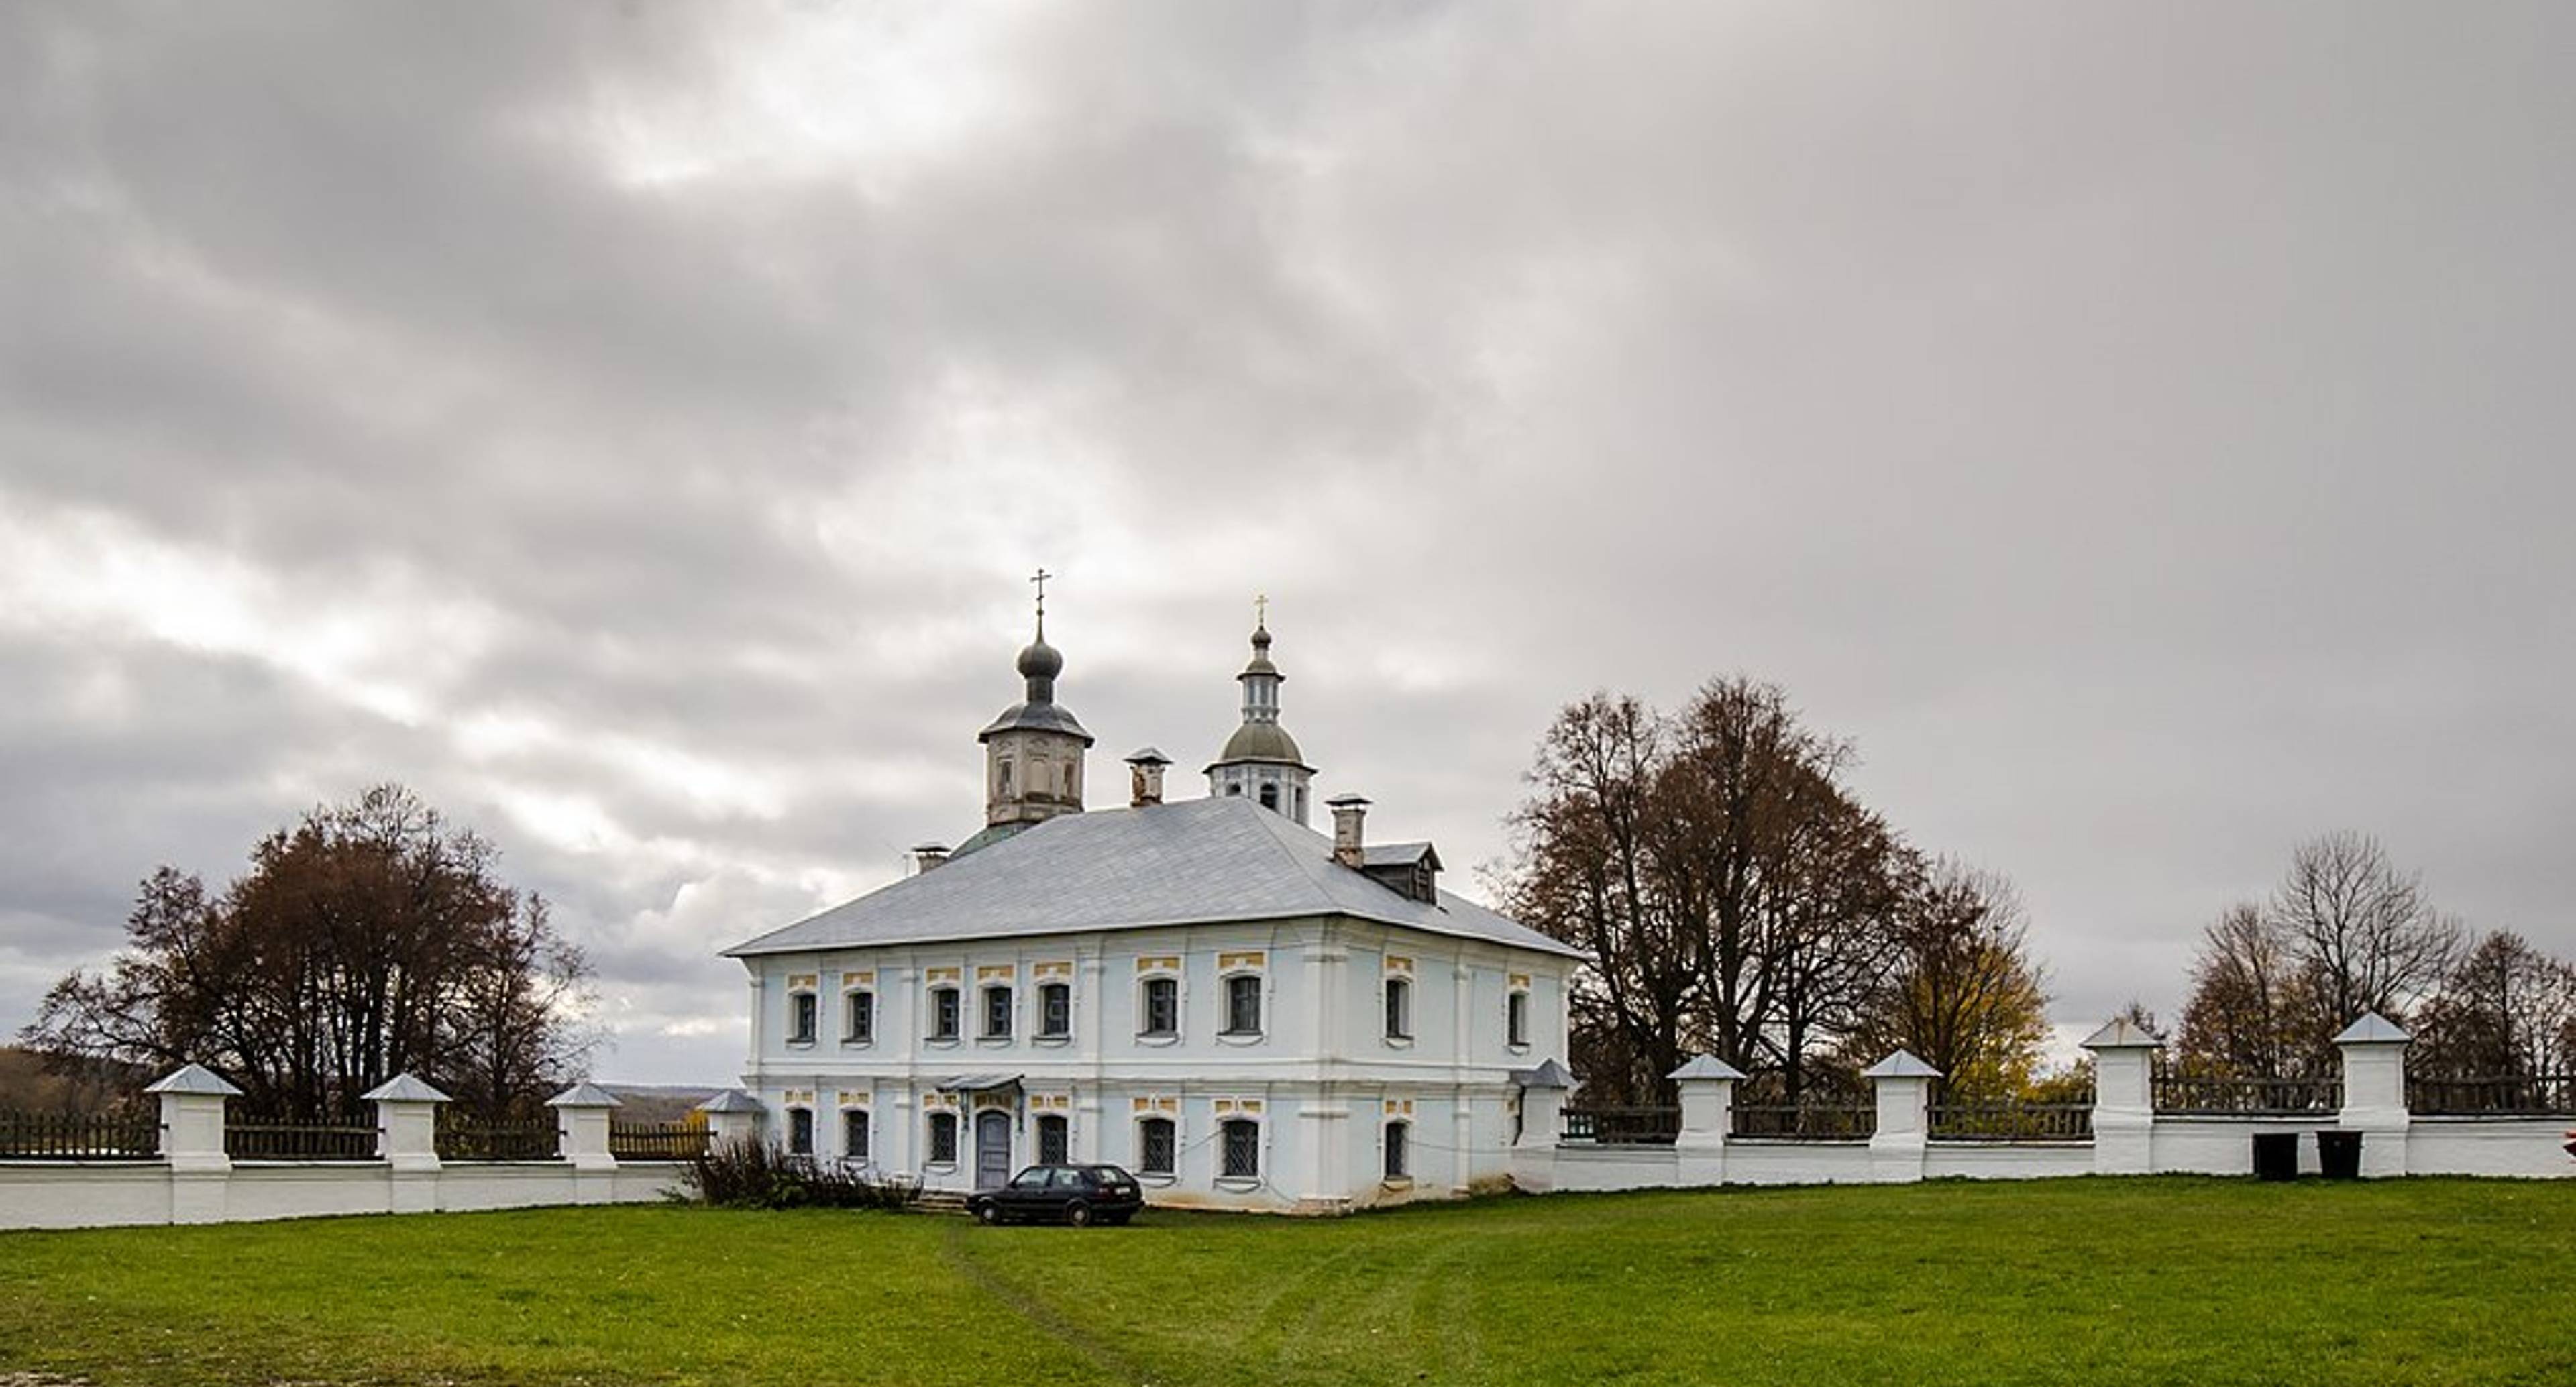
2166,1280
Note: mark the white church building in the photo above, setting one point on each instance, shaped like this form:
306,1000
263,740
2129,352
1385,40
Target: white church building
1240,1010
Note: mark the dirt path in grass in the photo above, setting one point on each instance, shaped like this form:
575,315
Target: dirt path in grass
1102,1355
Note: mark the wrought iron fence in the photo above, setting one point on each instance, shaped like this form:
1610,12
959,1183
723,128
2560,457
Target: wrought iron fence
252,1139
1623,1126
78,1136
462,1139
1806,1121
2217,1096
2011,1121
661,1141
2517,1095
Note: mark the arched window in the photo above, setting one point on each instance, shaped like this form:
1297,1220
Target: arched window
1243,1004
1398,1137
854,1133
1157,1146
1516,1019
1399,1009
800,1131
1055,1009
859,1017
1239,1140
1162,1007
997,1013
943,1138
802,1010
1002,779
1053,1143
943,1013
1270,796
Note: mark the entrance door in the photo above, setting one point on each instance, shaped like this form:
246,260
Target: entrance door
992,1149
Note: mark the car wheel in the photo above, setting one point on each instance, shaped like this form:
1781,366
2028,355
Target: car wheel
991,1214
1078,1214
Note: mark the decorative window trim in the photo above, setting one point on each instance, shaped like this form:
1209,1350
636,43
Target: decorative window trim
804,1016
1395,1008
1157,1177
949,1037
850,1014
1230,1034
1146,1034
1042,1035
1010,1017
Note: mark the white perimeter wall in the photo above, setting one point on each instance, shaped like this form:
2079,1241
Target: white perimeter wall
76,1194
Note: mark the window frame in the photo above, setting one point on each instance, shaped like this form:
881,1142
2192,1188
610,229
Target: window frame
856,1120
947,1007
858,1016
1227,1130
1396,1002
800,1131
804,1016
1146,987
1049,994
1516,1018
1171,1128
997,1011
1062,1129
1255,985
1395,1159
941,1122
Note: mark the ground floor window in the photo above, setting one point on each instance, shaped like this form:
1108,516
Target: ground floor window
1241,1145
1052,1141
1156,1146
1396,1141
854,1133
800,1131
943,1138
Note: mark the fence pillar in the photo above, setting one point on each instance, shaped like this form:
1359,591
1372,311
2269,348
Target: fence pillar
581,1129
1904,1088
407,1141
192,1141
732,1116
1707,1086
2124,1098
2374,1092
1542,1096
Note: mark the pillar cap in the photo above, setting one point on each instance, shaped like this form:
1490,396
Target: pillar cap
1706,1067
2121,1033
403,1088
194,1078
1901,1065
732,1100
1549,1074
585,1095
2372,1029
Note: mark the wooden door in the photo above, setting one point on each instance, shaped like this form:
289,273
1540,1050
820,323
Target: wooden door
992,1149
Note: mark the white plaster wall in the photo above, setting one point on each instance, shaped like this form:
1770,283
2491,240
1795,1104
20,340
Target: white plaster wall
1798,1163
2021,1160
2488,1147
76,1194
68,1194
2225,1146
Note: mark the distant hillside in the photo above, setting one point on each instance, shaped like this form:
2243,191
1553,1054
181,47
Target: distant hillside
31,1081
643,1103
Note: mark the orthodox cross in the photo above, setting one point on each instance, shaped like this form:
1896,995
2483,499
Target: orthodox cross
1040,578
1261,609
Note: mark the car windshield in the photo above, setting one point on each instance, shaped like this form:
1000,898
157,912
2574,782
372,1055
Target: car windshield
1108,1174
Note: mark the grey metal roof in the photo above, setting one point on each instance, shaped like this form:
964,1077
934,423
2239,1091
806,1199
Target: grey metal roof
1261,741
1192,862
1549,1074
2121,1033
2372,1027
404,1088
1706,1067
1398,855
585,1095
193,1078
732,1100
1901,1065
978,1083
1045,717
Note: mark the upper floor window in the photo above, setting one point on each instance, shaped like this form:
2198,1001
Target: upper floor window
1270,797
1055,1010
1399,1009
801,1013
1002,779
943,1013
997,1013
800,1131
1397,1165
1516,1018
1239,1142
943,1138
1157,1146
1162,1006
859,1017
854,1133
1243,1004
1053,1134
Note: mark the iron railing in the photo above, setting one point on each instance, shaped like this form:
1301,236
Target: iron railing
2011,1121
2516,1095
1806,1121
1623,1126
461,1139
254,1140
2205,1095
78,1136
664,1141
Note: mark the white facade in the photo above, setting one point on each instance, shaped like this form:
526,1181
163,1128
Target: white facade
1265,1046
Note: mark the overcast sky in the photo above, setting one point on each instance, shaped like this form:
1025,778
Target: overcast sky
2142,429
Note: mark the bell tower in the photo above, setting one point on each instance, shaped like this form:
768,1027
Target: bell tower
1033,752
1261,761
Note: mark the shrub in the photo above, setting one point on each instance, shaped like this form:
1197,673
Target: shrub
754,1174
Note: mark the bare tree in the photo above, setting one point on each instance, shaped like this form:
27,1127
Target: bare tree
1962,993
2364,929
2507,1011
2255,1010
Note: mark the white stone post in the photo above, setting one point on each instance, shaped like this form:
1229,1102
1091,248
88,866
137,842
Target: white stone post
192,1142
2124,1098
2374,1092
1904,1088
407,1141
734,1115
582,1118
1543,1093
1707,1087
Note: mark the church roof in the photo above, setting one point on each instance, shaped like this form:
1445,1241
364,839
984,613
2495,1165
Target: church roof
1044,717
1262,741
1194,862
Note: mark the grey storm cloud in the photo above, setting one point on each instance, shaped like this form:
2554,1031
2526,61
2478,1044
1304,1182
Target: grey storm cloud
2134,425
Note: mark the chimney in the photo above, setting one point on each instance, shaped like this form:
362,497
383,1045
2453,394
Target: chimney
1350,812
1145,777
928,855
